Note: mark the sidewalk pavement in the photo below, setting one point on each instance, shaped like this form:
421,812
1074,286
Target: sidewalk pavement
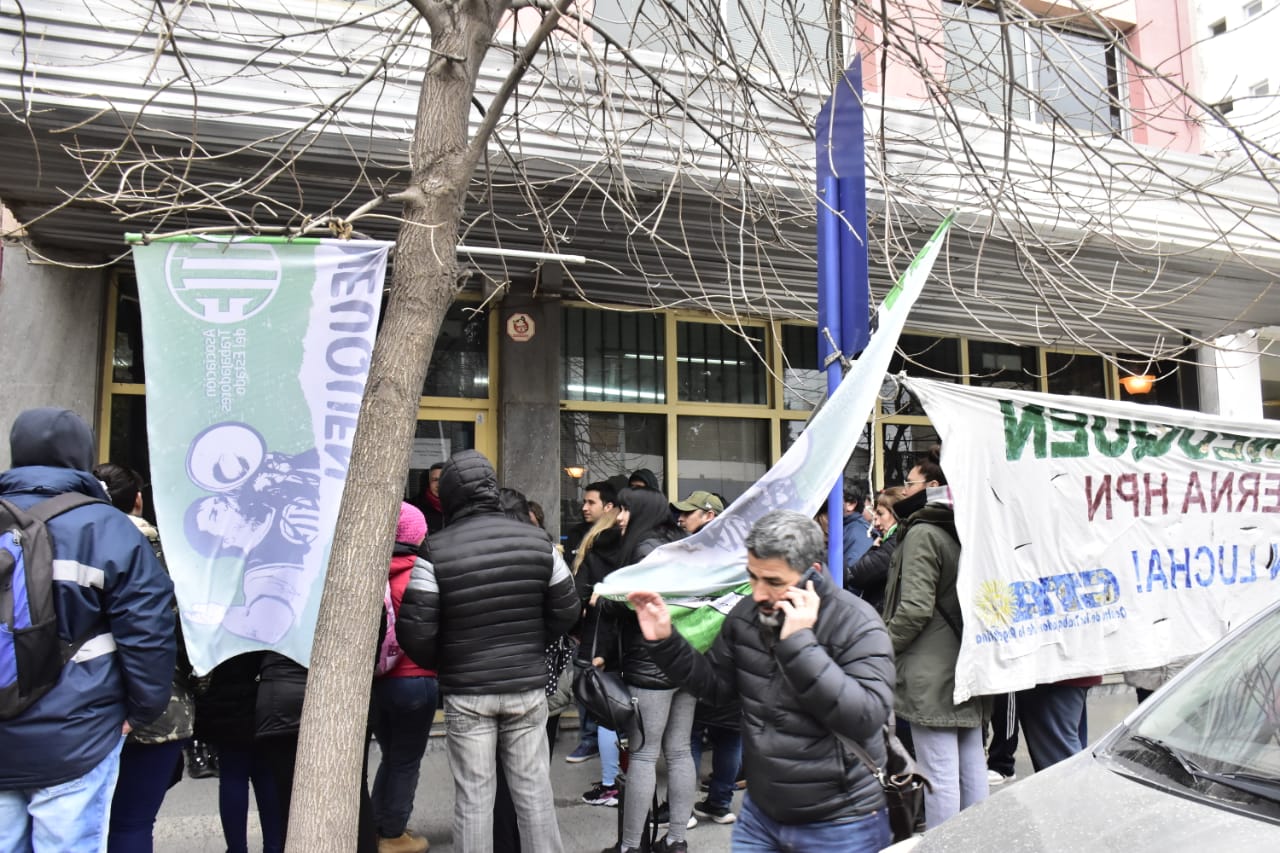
188,822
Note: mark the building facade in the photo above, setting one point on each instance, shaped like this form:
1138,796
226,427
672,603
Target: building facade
686,354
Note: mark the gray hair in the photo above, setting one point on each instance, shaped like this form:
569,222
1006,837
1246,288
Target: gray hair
790,536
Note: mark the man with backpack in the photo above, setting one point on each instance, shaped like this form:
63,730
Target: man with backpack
90,607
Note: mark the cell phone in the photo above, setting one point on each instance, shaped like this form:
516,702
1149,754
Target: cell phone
810,574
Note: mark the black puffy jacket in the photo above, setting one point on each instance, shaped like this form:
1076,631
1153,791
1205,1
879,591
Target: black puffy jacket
836,677
637,665
488,598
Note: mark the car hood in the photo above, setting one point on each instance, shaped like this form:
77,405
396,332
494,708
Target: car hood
1081,805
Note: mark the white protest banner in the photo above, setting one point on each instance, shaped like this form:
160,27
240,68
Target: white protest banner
257,352
699,571
1100,536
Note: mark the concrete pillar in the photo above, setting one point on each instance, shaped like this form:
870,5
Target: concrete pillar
529,399
1230,377
53,343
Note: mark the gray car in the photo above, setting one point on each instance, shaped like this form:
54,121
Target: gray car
1195,768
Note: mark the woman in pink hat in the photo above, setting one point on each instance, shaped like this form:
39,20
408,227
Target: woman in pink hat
404,706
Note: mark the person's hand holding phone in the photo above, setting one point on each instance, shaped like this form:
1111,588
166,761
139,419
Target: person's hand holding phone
800,606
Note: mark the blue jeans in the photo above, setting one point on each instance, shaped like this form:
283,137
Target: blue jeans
146,770
1050,717
726,760
237,766
403,711
757,833
610,756
510,727
59,818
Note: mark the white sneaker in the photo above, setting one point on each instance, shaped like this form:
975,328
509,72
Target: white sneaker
995,777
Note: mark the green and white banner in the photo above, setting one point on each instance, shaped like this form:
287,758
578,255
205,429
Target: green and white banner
257,352
1100,536
704,575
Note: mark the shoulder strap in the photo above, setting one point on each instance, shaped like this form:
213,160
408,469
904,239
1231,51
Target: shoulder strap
952,625
58,504
862,754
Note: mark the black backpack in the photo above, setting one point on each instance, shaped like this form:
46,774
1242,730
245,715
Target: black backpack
32,654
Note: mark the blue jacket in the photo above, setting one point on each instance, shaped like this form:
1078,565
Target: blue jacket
856,540
111,589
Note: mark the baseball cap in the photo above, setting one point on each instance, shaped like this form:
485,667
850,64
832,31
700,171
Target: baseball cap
700,500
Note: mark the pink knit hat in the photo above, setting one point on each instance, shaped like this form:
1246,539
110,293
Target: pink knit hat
412,527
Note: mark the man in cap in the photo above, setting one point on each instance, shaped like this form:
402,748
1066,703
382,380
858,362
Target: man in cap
113,601
697,510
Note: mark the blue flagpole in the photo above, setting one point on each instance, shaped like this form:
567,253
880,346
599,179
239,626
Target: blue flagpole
844,292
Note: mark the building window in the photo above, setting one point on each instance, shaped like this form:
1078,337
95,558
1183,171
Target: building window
1224,107
1260,90
460,362
126,355
787,40
1218,27
715,364
605,444
1269,368
1074,76
612,356
1076,374
923,356
721,455
1253,9
997,365
803,384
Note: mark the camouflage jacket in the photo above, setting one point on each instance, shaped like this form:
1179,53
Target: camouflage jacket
175,722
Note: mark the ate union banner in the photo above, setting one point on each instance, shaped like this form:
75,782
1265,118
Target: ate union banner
1100,536
257,351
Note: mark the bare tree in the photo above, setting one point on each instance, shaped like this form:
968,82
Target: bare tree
678,136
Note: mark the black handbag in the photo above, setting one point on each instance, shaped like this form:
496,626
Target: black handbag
605,695
901,781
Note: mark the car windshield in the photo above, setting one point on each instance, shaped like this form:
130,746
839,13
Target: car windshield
1219,727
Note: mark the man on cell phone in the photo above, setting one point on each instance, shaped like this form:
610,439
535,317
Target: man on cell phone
811,663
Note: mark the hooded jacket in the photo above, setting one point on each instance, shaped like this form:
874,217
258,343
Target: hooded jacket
109,591
796,693
487,599
922,614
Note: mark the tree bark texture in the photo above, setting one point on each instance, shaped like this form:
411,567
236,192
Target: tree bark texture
326,793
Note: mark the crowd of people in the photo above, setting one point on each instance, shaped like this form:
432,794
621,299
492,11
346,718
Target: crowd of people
491,622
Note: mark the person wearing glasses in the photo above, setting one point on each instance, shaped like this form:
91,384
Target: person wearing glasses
922,615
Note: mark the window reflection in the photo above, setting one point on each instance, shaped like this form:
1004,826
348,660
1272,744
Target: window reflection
605,444
126,353
921,356
721,455
720,365
612,356
1076,374
803,384
997,365
460,361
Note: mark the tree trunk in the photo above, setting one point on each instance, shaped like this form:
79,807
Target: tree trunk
330,749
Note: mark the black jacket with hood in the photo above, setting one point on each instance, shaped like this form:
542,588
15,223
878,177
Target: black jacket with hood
649,528
487,598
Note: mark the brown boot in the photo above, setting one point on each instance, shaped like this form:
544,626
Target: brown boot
406,842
